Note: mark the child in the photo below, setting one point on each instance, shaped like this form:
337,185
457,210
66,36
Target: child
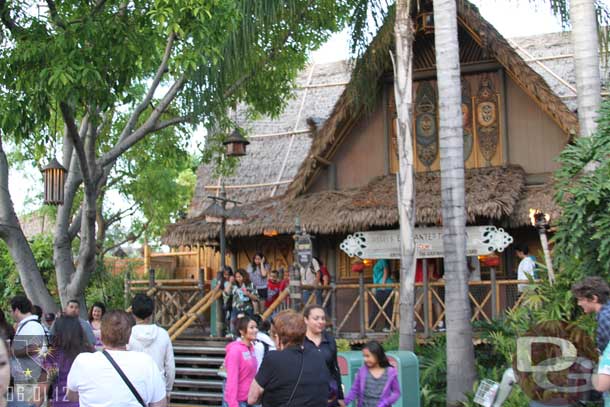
273,288
376,383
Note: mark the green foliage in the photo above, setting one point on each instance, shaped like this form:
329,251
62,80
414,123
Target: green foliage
106,288
42,247
343,345
582,241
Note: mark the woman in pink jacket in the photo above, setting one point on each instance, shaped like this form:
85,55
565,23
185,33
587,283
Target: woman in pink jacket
240,364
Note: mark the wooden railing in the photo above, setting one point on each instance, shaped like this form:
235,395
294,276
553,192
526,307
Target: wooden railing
351,307
198,309
172,298
488,299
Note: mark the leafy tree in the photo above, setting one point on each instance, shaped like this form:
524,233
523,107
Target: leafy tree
582,240
67,70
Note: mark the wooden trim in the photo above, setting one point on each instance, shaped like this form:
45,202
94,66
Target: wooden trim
503,108
267,184
322,160
478,67
386,130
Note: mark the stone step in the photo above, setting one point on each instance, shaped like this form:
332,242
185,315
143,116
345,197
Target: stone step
202,350
196,383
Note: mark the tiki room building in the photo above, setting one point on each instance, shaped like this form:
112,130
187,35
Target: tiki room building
331,159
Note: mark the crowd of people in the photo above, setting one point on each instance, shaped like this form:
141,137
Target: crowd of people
251,291
301,369
62,360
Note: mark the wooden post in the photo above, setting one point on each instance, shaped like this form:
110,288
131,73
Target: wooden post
362,300
127,288
332,268
198,261
367,320
201,281
151,284
146,256
494,294
426,299
151,278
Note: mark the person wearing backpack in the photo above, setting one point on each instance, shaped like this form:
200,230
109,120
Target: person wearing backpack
29,344
263,343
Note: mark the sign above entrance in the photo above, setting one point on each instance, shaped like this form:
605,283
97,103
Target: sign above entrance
385,244
304,249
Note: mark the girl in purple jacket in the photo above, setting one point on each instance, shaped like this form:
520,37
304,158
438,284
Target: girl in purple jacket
376,383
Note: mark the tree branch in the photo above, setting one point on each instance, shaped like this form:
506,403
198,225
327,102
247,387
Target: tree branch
54,15
147,128
7,20
77,143
99,5
161,70
171,122
129,238
75,226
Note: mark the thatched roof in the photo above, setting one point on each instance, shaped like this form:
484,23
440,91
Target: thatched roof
348,108
491,193
552,56
318,87
534,197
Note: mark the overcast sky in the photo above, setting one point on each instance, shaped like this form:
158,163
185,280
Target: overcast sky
512,18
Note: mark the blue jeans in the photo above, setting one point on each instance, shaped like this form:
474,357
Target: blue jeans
308,293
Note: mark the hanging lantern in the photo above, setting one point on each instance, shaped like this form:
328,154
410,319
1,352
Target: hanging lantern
214,213
236,216
425,23
54,175
236,144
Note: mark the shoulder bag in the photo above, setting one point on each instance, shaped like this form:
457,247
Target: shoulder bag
125,379
294,390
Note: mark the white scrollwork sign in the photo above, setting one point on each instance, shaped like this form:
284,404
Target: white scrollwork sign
385,244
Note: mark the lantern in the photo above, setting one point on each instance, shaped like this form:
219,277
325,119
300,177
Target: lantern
54,176
358,266
236,144
235,216
425,23
215,213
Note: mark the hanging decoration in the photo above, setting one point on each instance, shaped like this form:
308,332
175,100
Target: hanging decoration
488,132
426,130
54,176
467,119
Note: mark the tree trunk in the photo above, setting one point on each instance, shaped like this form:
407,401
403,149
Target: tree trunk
586,63
21,253
403,89
460,350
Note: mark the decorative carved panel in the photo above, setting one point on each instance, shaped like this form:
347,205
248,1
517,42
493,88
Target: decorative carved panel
467,119
487,118
426,129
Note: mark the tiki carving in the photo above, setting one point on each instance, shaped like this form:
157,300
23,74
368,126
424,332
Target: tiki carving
467,119
488,130
426,130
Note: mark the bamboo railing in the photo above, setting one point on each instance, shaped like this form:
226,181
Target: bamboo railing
193,314
179,302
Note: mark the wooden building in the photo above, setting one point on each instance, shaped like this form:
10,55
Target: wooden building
331,158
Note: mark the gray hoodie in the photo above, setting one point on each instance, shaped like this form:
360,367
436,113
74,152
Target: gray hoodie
154,341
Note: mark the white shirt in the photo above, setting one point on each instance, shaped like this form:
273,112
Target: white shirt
154,341
310,276
30,328
29,332
99,385
525,270
259,348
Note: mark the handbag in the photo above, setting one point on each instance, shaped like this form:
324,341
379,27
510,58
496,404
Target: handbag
125,379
